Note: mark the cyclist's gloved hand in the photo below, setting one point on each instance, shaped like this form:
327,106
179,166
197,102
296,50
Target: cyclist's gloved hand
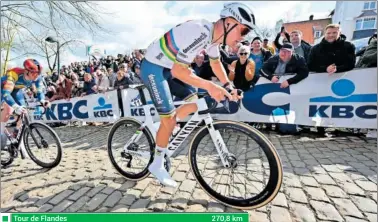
237,94
19,109
45,103
218,93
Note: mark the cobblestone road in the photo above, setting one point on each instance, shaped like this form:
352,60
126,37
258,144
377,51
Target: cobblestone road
324,180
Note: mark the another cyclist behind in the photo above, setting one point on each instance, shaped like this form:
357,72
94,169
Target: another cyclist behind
170,57
12,94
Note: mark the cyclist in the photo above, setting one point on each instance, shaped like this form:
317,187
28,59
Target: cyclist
165,71
12,85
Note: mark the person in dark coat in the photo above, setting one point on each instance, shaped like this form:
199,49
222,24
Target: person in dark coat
369,56
286,62
333,54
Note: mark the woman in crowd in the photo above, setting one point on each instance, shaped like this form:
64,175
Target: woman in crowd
242,70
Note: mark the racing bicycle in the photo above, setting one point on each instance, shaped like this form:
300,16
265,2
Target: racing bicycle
36,136
223,155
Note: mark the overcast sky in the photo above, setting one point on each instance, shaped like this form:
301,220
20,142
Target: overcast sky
136,24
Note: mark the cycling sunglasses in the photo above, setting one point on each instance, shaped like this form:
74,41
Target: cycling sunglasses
245,31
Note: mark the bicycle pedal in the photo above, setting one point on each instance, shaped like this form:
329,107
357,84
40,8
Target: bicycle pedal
167,163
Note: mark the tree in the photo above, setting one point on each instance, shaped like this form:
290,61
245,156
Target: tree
58,15
263,31
8,34
35,20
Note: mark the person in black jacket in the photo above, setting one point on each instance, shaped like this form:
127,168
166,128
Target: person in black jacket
333,54
286,62
369,57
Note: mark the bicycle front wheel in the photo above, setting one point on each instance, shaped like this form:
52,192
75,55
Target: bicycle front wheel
255,175
6,156
43,145
127,131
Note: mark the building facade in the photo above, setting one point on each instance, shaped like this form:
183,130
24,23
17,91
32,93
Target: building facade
358,19
312,29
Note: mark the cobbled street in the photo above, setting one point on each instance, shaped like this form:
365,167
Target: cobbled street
325,179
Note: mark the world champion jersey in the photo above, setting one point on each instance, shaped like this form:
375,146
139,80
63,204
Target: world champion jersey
182,43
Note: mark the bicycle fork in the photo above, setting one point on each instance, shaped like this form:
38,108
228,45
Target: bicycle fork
218,142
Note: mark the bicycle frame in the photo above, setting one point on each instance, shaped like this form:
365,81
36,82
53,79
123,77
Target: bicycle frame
184,132
16,142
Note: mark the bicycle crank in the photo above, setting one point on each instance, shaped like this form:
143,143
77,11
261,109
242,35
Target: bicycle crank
167,163
13,151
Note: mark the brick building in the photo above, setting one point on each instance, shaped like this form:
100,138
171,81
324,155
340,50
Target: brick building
312,29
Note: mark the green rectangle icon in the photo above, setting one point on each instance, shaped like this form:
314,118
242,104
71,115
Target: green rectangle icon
139,217
5,219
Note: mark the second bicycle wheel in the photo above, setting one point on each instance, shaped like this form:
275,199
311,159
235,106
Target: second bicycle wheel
252,182
43,145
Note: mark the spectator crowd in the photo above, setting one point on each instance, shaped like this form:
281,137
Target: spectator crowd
96,76
288,54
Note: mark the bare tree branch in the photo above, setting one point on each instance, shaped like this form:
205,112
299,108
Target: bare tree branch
10,6
23,55
35,20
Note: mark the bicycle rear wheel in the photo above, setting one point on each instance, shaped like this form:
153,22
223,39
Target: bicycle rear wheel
238,185
37,138
131,166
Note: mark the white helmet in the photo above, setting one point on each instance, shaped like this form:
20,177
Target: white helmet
240,12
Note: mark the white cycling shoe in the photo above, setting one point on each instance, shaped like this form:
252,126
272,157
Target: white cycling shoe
162,175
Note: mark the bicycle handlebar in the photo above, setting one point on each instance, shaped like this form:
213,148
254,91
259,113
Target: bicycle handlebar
35,107
215,104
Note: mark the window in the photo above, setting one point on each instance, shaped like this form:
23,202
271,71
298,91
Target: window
369,23
317,34
366,23
372,5
369,5
366,5
359,24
